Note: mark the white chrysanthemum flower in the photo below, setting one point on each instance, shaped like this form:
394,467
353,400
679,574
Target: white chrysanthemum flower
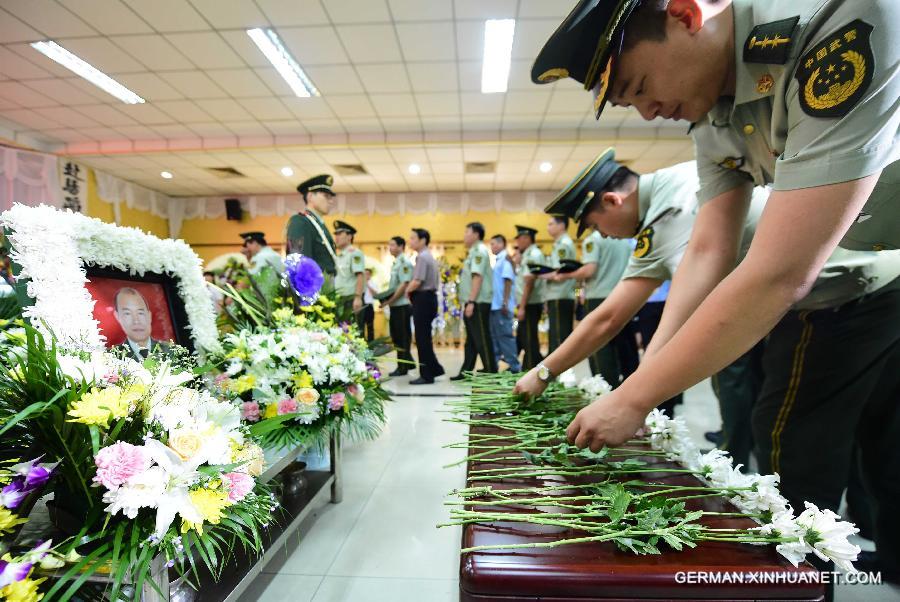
828,535
595,386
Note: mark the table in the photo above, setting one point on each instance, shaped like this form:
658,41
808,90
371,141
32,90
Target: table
599,571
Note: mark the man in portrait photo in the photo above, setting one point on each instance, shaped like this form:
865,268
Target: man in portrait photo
134,316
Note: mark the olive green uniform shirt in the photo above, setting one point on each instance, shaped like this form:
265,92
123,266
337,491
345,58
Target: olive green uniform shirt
401,271
267,257
478,261
303,237
611,256
531,256
563,248
350,262
819,105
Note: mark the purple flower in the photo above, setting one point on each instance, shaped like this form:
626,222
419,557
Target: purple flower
37,477
11,572
304,276
13,494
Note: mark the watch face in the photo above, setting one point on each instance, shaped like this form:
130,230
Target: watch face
543,373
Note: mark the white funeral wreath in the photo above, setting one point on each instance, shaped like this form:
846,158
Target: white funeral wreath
53,247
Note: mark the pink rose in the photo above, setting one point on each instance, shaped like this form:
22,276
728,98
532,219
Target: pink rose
287,406
336,401
239,485
356,391
221,378
119,462
250,411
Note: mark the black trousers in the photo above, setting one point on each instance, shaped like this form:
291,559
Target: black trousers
367,316
562,319
478,340
616,360
647,322
527,336
424,311
401,335
346,313
832,385
737,387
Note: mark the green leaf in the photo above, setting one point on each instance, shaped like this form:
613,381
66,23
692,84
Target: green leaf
619,501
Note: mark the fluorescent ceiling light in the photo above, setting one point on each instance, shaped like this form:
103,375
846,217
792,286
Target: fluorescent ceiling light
415,169
270,45
57,53
167,175
546,166
287,172
498,41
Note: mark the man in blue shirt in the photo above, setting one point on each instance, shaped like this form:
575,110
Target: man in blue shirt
503,305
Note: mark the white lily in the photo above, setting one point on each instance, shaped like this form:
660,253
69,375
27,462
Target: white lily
175,499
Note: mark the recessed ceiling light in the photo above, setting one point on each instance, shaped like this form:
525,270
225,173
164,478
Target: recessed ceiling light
270,45
167,175
415,169
546,166
57,53
498,41
287,172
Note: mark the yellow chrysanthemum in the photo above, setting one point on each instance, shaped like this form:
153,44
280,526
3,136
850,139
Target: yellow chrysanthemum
99,406
8,520
242,384
271,411
303,380
237,352
210,503
25,590
300,320
283,314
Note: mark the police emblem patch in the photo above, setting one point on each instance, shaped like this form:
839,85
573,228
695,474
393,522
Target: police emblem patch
478,259
589,247
644,243
561,253
732,162
836,72
406,269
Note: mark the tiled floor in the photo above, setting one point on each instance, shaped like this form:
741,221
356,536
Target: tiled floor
380,544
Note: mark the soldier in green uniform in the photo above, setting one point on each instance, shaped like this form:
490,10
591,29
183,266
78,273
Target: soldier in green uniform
603,263
802,96
475,292
261,254
306,233
560,295
531,302
350,280
401,312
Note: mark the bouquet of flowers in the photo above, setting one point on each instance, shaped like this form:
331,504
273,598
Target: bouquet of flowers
149,464
298,382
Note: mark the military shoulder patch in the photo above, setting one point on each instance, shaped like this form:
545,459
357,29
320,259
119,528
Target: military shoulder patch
731,163
836,72
478,259
562,253
589,247
644,243
406,269
770,43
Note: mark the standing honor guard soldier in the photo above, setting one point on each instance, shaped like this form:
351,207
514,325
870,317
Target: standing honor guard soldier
802,96
306,232
603,263
476,292
560,295
261,254
350,281
531,303
401,309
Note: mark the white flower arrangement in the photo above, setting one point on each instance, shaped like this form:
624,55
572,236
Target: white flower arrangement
814,531
53,246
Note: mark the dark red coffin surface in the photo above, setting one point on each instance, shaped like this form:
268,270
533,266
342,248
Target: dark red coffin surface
599,571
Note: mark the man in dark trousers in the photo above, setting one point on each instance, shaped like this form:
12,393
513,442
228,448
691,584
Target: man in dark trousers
475,293
423,294
401,310
531,303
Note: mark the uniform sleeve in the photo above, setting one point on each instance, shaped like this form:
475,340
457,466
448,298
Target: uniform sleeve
405,273
357,262
568,251
480,264
590,251
714,178
850,131
660,248
297,235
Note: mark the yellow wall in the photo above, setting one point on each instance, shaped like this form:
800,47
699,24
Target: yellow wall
158,226
211,238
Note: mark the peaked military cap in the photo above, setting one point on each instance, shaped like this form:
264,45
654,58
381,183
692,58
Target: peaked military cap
340,226
526,231
585,46
576,196
259,237
322,182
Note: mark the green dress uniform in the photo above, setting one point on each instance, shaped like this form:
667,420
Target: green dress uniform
478,327
307,234
266,257
561,295
618,359
401,313
534,307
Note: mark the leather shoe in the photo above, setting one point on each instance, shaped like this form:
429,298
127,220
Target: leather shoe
422,381
398,372
714,437
458,377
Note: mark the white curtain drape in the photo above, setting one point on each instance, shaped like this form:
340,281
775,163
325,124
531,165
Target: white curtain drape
28,178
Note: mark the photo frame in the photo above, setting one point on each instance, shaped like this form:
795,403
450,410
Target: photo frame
57,249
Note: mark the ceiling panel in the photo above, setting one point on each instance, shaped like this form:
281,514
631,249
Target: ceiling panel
169,15
44,16
292,12
231,14
206,50
153,51
314,45
370,43
358,11
427,41
109,17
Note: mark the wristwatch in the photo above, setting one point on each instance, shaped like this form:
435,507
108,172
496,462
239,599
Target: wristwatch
543,373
